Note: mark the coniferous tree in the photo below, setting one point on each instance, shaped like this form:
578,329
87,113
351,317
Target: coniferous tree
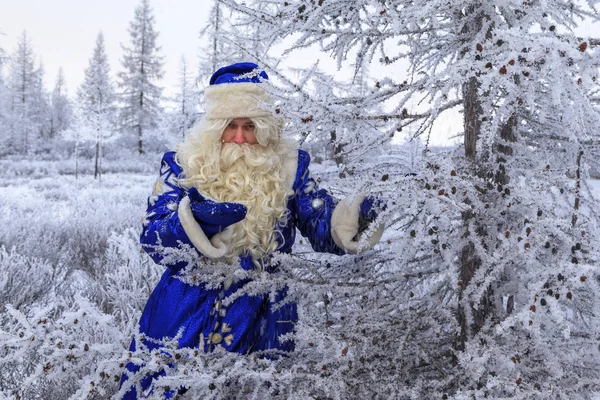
217,50
186,100
40,105
4,101
140,94
23,80
61,109
96,111
225,43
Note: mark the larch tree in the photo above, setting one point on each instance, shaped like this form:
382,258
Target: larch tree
22,82
96,106
142,64
61,108
224,43
213,53
487,286
40,104
186,100
217,48
4,101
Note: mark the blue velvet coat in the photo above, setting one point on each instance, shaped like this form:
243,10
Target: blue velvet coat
248,324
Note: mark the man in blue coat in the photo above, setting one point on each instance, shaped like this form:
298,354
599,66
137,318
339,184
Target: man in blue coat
236,191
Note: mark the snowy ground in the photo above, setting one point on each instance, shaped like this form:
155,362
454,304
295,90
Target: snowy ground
62,236
595,186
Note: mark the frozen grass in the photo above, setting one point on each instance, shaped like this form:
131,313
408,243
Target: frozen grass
64,237
63,224
68,220
595,187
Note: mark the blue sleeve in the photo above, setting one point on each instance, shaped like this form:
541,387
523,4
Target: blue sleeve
313,208
161,225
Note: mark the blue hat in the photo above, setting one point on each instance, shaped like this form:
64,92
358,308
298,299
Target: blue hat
235,92
240,72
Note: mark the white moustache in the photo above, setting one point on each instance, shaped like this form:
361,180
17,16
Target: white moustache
252,155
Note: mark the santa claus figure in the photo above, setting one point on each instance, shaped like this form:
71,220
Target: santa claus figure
237,191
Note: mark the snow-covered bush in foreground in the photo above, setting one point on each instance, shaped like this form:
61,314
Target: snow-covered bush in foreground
61,352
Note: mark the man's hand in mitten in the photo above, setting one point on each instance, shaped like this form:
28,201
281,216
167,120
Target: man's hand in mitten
214,216
368,212
351,219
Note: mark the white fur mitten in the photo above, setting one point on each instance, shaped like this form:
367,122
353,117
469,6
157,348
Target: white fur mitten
345,226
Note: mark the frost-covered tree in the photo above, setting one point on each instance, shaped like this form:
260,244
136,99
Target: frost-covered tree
217,49
95,121
23,84
186,100
143,69
224,43
61,108
486,286
4,98
40,105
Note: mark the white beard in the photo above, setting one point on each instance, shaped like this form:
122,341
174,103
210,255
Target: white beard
252,175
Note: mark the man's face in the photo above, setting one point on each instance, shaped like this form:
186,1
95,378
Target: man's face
240,130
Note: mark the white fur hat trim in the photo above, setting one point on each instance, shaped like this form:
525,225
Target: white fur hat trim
237,100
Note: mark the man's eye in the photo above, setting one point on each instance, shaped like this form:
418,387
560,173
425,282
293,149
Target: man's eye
249,127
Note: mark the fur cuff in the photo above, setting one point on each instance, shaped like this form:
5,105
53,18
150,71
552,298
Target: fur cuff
214,248
236,100
344,227
290,166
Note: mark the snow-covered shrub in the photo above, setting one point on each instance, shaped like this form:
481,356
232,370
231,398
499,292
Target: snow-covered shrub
126,276
73,218
61,351
18,271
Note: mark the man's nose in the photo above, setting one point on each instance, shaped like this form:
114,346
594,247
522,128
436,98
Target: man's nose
239,136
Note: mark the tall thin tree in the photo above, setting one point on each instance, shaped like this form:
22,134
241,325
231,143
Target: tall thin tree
61,108
142,70
97,102
4,100
22,82
40,105
186,99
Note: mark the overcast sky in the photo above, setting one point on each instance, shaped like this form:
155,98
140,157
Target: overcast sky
63,32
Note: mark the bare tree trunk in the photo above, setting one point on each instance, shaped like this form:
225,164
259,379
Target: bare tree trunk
472,117
507,134
140,148
469,261
140,119
77,158
469,264
97,161
100,160
577,190
216,35
337,148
